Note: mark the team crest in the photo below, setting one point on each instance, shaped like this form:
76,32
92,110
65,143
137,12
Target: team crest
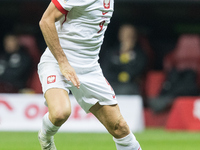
51,79
106,4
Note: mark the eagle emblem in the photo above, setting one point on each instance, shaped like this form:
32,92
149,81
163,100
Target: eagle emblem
106,4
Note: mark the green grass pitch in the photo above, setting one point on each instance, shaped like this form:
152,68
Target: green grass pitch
150,139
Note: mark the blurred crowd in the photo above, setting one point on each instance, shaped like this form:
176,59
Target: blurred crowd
15,65
18,64
128,66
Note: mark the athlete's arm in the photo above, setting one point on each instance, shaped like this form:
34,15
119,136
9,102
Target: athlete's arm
47,26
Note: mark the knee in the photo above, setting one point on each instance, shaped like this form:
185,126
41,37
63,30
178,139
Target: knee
60,116
120,129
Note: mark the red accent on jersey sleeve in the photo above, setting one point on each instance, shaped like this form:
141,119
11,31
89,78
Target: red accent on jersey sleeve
60,8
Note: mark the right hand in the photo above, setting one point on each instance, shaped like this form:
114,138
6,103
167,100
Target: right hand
68,71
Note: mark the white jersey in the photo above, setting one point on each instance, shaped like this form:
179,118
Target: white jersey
81,31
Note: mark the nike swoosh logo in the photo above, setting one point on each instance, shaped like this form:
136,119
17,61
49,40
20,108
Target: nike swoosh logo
104,13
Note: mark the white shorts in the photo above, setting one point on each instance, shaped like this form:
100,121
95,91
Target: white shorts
94,87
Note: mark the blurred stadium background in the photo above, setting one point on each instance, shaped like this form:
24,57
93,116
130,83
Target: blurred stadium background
162,25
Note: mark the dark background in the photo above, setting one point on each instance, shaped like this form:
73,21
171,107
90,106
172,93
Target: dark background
160,21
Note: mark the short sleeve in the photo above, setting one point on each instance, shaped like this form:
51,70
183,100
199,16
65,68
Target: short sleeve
63,6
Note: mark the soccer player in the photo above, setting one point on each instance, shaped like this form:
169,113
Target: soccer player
74,32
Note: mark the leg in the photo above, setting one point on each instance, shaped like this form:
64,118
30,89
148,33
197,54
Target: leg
58,105
59,111
112,119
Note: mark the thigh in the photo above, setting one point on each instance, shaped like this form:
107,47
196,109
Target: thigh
111,117
58,102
